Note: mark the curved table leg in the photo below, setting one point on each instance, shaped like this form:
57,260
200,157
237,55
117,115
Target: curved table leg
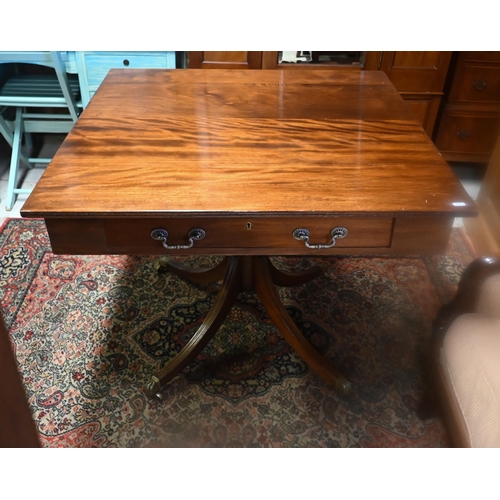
225,298
295,278
200,275
270,299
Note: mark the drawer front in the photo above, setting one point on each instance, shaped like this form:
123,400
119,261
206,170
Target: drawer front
467,134
476,84
98,64
247,233
488,56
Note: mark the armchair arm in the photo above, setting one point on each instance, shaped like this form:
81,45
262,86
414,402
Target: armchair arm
478,291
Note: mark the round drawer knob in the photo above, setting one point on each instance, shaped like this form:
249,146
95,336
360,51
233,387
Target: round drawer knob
126,62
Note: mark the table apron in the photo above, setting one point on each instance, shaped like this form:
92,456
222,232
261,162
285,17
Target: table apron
251,235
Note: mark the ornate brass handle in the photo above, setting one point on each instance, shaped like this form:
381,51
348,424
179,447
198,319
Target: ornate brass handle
479,84
337,233
162,235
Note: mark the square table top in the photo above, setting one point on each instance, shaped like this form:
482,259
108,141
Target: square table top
254,142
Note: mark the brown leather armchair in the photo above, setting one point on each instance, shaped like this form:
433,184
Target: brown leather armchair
466,355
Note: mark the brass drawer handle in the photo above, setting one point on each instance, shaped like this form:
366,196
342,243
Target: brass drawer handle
162,235
337,233
479,84
463,134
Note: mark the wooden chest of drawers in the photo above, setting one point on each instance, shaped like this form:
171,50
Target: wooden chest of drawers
470,122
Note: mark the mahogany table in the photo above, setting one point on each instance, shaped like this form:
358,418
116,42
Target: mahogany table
247,164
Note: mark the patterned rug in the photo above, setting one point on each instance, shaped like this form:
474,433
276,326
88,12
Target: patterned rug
88,331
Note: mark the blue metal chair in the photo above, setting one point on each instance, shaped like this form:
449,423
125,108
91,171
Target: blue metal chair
21,92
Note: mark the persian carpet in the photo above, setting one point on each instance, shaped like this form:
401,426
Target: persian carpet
89,331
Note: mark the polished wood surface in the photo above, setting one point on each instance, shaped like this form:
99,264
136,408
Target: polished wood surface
177,142
419,76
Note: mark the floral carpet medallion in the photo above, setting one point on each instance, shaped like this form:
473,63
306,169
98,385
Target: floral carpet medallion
89,331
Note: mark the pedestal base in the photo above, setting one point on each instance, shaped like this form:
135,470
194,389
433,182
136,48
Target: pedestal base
246,273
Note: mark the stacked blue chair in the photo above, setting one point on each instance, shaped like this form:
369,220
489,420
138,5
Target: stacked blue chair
19,94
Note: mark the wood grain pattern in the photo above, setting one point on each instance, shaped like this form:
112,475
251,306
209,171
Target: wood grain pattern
171,142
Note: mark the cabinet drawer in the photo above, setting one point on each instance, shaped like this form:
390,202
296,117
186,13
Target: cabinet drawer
246,233
94,66
98,64
467,133
476,84
488,56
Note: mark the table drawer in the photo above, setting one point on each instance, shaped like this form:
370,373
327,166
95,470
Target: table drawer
247,233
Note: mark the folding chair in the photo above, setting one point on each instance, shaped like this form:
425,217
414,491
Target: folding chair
21,92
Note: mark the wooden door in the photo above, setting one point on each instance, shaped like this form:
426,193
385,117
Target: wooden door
484,230
420,77
224,59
